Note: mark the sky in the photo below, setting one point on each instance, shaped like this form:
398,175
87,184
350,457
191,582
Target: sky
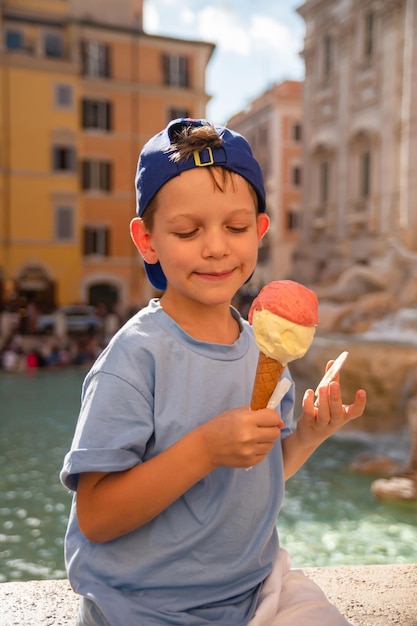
257,44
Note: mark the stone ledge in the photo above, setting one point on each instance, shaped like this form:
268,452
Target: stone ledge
369,595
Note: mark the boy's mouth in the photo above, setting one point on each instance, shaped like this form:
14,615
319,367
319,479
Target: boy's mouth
215,276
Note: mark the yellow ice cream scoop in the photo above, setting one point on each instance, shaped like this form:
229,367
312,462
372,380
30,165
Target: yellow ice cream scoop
279,338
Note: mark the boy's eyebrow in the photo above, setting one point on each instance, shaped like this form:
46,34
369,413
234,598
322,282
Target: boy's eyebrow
181,216
192,216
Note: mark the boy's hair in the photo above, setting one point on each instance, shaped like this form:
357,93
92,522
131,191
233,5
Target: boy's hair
186,144
187,139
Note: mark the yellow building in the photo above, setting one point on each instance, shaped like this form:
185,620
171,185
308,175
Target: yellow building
82,87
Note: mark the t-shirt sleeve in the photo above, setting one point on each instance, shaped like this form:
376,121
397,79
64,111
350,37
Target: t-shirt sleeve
114,426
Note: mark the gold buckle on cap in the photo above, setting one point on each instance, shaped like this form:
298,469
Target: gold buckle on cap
197,159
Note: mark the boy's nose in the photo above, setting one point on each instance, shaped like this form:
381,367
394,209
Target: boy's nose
215,244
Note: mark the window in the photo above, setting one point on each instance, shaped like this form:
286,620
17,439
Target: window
175,113
63,159
363,153
96,114
328,52
324,182
175,70
96,241
96,175
95,58
14,40
369,35
64,223
263,136
297,130
63,96
365,174
296,176
293,220
53,46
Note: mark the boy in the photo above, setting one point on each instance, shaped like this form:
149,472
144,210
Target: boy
167,527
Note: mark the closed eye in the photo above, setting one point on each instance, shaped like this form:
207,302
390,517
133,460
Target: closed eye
236,229
187,235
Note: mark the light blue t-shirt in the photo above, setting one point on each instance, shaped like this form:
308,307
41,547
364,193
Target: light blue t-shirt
203,559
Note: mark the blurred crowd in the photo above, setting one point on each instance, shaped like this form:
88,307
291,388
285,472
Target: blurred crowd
20,355
31,339
23,346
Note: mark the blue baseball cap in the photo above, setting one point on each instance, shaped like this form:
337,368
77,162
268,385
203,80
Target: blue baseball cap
155,168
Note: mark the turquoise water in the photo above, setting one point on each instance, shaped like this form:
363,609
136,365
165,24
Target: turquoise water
39,412
329,516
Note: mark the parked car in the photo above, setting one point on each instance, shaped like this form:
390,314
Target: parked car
80,318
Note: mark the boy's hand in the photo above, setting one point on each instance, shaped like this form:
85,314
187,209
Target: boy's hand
241,437
321,420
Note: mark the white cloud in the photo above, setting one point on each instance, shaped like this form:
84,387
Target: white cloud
187,16
261,33
221,28
278,41
257,43
266,32
241,33
150,17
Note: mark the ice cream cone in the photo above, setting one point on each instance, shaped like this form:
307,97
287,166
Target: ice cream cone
284,316
268,373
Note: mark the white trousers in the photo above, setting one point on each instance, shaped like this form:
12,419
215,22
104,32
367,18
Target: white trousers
290,598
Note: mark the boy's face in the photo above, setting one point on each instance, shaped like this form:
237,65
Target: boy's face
206,240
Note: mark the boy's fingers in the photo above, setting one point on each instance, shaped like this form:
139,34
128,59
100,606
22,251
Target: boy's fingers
329,364
357,408
267,418
308,401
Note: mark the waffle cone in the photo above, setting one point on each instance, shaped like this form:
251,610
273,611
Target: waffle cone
268,373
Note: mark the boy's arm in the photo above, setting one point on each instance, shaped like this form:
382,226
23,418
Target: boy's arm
112,504
318,423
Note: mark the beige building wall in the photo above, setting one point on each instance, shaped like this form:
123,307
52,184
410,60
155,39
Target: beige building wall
272,125
360,133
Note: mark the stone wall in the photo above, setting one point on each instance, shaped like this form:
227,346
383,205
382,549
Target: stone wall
369,595
387,370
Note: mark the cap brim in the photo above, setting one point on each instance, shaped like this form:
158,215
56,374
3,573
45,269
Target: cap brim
156,276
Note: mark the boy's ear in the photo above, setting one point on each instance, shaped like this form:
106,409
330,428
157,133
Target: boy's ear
142,240
262,225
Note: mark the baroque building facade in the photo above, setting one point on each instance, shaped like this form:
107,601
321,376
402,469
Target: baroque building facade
272,124
360,133
82,87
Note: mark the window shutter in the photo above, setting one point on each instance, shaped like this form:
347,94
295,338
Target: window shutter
166,69
107,61
108,175
84,54
109,116
85,175
71,159
184,72
85,241
84,114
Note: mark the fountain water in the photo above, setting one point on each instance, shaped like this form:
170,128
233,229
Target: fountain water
371,311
